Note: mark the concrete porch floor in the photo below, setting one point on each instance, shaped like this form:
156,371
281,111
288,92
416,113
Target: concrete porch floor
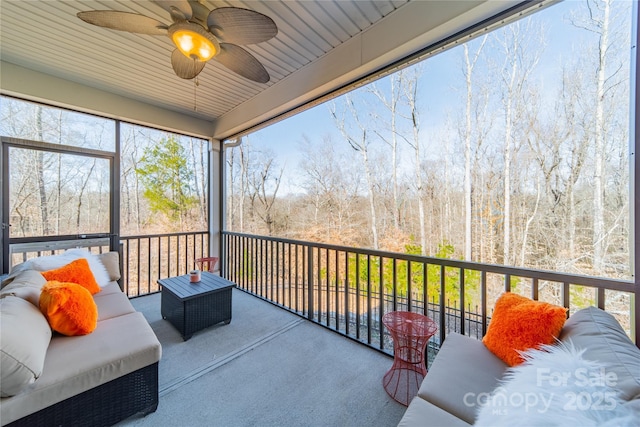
268,367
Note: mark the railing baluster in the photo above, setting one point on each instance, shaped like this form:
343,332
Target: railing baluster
310,307
383,307
127,267
483,300
600,298
409,288
394,284
159,257
257,283
319,282
271,270
368,299
138,263
462,311
425,287
346,292
297,277
289,282
177,255
443,323
566,296
277,272
327,283
357,295
149,265
336,295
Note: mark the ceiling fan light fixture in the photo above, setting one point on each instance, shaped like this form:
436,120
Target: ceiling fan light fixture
194,41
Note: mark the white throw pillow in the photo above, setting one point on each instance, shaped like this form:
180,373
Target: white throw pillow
556,386
45,263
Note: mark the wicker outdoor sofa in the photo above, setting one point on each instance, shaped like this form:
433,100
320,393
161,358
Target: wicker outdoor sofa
96,379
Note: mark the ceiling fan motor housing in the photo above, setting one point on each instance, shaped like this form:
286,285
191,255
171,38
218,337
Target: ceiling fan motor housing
194,41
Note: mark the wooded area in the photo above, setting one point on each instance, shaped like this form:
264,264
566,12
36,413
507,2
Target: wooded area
163,176
525,161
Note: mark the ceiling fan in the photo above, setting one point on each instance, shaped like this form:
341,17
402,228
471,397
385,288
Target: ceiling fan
199,35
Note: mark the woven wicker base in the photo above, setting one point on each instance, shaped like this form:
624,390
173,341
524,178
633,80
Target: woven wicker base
193,307
105,405
196,314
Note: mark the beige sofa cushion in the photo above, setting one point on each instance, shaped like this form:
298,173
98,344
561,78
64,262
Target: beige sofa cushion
422,413
460,375
26,285
111,288
24,338
604,340
112,305
73,365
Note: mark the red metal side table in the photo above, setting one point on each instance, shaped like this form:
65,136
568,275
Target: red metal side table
410,333
208,262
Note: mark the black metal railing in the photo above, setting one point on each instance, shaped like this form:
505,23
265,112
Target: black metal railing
149,257
348,289
144,258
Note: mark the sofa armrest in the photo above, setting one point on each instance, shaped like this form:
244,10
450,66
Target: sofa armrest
462,372
604,340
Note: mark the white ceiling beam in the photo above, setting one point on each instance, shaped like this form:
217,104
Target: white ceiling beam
39,87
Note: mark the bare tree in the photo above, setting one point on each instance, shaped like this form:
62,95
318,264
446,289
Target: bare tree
230,158
265,182
391,104
360,143
520,60
80,195
600,21
468,131
40,167
331,187
409,85
131,199
199,182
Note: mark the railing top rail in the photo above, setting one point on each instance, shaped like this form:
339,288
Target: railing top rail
552,276
54,245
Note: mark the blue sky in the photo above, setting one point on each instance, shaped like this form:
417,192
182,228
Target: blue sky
441,89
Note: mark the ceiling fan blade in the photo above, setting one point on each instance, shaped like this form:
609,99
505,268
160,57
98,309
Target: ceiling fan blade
185,68
124,21
242,62
241,26
179,9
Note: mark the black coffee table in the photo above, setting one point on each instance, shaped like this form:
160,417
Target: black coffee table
191,307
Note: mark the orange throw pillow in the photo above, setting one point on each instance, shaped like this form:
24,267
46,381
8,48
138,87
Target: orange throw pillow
519,324
69,308
77,271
